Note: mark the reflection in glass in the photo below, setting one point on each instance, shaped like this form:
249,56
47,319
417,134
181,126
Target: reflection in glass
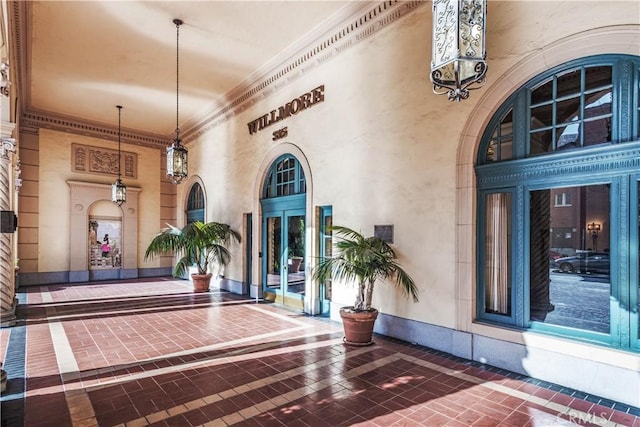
576,111
273,252
501,145
327,245
295,261
569,250
498,254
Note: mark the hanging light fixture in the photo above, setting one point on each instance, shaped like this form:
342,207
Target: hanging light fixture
458,57
176,152
118,189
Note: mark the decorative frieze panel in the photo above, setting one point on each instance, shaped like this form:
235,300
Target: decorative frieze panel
89,159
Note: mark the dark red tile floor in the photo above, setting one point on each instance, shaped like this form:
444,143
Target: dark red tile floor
150,352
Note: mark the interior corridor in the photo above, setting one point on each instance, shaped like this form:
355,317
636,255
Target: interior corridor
151,352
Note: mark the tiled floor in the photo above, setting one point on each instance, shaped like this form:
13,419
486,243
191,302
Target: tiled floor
151,352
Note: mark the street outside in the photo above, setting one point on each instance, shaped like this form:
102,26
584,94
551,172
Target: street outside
581,301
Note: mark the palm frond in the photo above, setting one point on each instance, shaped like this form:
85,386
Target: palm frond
199,243
364,260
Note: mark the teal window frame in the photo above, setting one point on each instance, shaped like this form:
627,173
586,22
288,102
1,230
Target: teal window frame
195,204
284,178
324,235
615,162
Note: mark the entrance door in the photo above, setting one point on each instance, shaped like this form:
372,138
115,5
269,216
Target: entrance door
284,252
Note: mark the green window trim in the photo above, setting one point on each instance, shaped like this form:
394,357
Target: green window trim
596,98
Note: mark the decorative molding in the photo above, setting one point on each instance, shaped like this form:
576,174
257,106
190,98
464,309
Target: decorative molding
600,160
94,130
317,48
97,160
8,146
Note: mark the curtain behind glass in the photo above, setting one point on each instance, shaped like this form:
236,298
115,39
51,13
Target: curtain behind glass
497,240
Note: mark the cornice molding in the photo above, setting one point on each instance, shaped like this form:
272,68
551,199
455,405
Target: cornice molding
365,19
94,130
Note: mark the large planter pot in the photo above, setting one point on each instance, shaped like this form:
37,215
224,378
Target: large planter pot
358,326
296,261
201,282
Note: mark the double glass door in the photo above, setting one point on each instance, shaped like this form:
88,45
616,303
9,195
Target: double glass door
284,257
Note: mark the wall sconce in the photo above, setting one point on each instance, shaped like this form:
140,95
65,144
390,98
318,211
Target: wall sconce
458,55
594,229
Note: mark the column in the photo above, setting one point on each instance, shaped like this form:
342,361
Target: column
7,259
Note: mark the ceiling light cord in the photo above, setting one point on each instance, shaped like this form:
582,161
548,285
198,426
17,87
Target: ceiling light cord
178,22
119,107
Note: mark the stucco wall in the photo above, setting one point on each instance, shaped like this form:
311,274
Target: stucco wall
383,148
54,202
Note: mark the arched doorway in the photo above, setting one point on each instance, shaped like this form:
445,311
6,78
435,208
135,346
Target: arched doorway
283,203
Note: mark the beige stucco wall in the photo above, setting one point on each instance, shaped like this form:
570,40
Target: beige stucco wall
383,149
54,202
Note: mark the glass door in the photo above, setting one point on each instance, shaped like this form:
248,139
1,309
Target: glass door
284,254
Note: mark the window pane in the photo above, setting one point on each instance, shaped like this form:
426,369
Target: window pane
541,142
597,131
541,117
569,83
598,104
568,136
543,93
568,110
569,265
597,77
498,254
492,151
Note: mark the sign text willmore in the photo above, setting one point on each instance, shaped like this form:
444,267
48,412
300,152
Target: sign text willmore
293,107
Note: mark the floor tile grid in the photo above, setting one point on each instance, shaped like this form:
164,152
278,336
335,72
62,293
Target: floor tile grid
104,343
563,406
44,389
105,372
448,362
469,415
206,360
254,385
466,415
137,287
488,372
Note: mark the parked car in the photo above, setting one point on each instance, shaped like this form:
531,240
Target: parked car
584,262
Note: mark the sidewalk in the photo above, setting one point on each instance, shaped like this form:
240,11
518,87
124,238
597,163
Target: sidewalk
151,352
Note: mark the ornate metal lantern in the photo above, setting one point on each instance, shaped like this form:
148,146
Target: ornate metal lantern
177,153
177,161
118,189
458,52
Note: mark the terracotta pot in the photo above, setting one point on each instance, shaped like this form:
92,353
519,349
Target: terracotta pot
358,326
295,264
201,282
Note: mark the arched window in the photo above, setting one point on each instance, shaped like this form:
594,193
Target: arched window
558,176
285,178
195,204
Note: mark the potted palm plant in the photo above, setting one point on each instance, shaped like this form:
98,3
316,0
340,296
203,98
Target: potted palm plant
200,244
363,260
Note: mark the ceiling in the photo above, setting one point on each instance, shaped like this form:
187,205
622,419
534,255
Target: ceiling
82,58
